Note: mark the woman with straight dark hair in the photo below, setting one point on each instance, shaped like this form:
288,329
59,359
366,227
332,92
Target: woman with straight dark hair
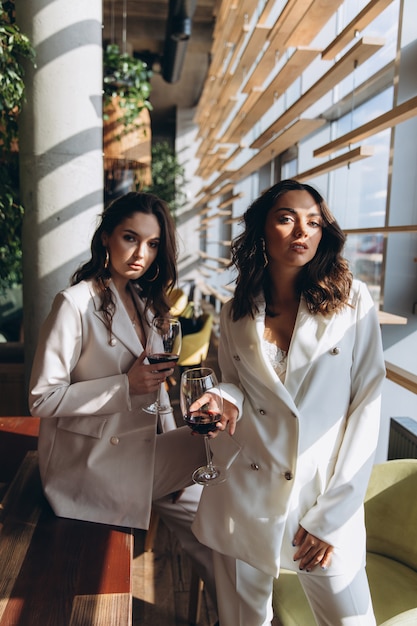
301,359
100,456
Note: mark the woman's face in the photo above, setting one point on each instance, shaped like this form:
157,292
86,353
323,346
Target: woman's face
132,246
293,229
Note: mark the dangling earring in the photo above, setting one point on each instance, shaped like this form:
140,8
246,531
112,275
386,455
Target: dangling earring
264,252
151,280
107,260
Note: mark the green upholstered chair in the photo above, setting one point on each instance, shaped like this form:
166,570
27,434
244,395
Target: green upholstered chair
391,522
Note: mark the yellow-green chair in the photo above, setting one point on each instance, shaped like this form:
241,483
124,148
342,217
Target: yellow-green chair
195,346
391,522
178,301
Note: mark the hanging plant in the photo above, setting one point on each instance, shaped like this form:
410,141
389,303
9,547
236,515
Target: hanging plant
128,80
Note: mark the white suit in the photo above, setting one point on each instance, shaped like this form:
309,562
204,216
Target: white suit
303,450
99,455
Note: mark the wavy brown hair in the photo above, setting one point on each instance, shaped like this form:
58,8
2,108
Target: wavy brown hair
324,282
160,278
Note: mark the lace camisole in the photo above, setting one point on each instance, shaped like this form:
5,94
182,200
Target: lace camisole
277,358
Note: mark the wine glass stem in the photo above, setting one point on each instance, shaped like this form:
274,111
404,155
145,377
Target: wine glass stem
208,451
158,397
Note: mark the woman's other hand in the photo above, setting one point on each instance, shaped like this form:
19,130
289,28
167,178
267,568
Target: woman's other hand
229,418
312,551
229,413
146,378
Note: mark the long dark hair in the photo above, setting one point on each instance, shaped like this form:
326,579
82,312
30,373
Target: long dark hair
324,282
162,274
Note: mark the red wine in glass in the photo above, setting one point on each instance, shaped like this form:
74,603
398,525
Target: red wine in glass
202,422
172,359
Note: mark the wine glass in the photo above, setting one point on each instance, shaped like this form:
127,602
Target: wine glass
202,418
163,345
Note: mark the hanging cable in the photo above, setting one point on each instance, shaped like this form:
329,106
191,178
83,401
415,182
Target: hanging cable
124,33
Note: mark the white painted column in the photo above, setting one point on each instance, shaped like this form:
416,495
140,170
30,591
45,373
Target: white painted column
61,151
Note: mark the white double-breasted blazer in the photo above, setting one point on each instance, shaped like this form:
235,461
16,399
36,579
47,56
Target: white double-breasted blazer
303,449
96,444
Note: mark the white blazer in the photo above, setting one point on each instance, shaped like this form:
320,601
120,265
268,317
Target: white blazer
96,444
303,450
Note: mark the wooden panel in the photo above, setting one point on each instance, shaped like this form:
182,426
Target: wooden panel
45,561
18,435
237,45
390,318
296,64
232,157
411,228
215,216
266,11
362,152
254,46
264,68
13,395
398,114
204,255
285,140
101,610
288,20
357,55
230,200
313,20
401,377
360,21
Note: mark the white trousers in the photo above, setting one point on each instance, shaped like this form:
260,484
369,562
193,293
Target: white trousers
244,596
177,455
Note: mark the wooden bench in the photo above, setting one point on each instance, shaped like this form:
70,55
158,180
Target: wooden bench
55,571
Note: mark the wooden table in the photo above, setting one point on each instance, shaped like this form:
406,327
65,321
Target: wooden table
55,571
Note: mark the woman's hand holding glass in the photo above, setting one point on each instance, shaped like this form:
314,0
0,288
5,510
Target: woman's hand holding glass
146,378
202,409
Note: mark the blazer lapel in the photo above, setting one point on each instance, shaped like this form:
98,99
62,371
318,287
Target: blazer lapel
122,327
309,339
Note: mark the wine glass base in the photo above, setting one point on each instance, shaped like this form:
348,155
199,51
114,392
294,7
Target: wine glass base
153,408
209,475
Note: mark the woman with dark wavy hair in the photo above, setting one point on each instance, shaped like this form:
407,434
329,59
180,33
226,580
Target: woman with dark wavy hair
302,367
101,456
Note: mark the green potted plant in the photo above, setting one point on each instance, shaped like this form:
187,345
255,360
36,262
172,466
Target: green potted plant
168,176
14,47
126,85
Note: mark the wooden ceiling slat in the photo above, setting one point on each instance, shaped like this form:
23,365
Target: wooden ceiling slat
357,154
296,64
311,23
398,114
285,140
360,21
355,56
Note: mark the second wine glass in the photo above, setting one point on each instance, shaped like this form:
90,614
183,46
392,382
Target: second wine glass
163,346
202,407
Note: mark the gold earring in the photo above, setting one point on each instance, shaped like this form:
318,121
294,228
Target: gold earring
107,260
151,280
264,252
